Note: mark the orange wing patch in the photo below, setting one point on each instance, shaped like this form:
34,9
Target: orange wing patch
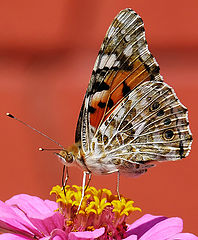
98,104
120,83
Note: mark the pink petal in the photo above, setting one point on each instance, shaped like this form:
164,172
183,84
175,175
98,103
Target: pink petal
58,238
33,206
184,236
58,234
164,229
145,219
8,236
86,235
14,221
40,213
51,205
47,225
132,237
143,224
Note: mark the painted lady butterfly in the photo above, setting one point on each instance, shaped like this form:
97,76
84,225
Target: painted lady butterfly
129,118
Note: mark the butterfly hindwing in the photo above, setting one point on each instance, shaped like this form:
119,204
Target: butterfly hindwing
150,124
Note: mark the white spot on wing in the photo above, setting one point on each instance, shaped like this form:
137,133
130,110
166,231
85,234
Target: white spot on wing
98,95
120,15
123,31
111,31
128,50
103,61
111,61
127,38
116,64
96,63
121,113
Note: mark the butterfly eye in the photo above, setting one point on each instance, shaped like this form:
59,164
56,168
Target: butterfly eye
69,158
168,135
61,158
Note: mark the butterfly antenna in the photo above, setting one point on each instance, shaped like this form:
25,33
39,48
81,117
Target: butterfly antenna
49,149
27,125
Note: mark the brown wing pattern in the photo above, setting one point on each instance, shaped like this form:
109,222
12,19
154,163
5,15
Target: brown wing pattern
123,62
150,124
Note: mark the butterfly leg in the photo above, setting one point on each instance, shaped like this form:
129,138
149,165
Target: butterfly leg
65,177
83,188
118,185
88,182
118,182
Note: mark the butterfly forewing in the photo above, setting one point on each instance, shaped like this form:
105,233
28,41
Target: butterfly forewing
129,117
123,62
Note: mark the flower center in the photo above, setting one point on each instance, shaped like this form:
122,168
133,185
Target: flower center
99,208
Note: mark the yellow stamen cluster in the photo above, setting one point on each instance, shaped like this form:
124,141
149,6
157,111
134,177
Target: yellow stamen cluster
94,201
123,207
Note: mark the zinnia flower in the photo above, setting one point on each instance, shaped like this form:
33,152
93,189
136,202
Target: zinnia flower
101,216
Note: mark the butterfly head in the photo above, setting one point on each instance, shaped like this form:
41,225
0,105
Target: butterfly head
66,157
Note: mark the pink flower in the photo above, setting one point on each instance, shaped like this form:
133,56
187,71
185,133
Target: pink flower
151,227
28,217
25,217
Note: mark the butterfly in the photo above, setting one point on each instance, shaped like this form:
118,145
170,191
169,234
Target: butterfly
129,118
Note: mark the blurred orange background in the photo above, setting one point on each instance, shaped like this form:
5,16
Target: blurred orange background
47,51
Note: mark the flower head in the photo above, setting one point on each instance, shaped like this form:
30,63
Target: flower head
101,216
99,208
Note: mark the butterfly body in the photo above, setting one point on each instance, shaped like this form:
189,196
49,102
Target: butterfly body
130,118
101,163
